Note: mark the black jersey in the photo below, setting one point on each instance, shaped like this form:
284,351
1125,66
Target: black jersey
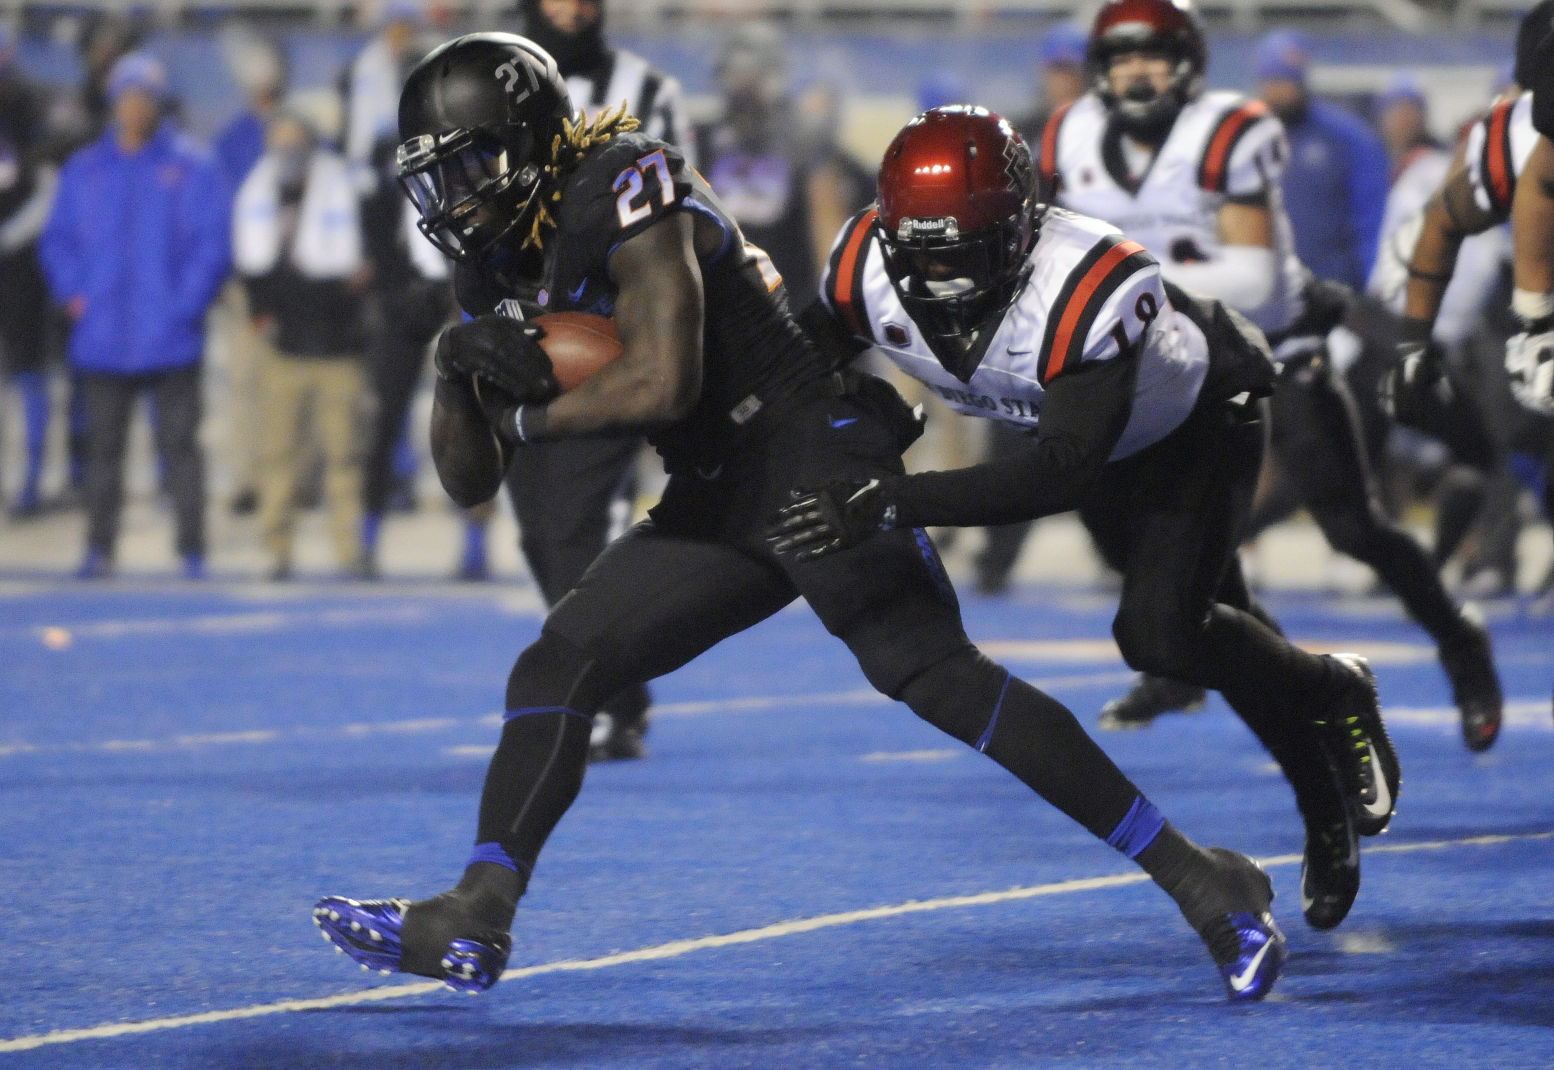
754,354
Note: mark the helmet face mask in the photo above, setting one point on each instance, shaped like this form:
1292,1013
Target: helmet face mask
466,189
957,221
478,118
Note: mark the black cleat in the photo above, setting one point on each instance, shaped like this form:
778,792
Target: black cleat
1329,872
1475,686
1358,748
1150,697
1244,941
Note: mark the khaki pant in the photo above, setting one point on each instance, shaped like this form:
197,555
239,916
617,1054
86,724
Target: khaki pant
326,392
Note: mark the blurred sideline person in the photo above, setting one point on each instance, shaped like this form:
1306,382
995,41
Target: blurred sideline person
259,68
136,250
1335,167
1193,176
566,494
1147,415
371,82
297,245
720,377
27,184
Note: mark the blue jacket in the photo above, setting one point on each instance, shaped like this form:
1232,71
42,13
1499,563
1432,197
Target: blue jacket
145,241
1335,189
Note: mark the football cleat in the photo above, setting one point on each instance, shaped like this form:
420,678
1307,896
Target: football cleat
1150,697
1246,944
371,932
1475,686
615,739
1329,872
1357,746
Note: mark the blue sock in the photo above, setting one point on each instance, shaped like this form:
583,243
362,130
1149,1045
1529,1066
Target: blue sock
371,522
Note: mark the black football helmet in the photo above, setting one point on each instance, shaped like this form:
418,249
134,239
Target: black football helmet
477,120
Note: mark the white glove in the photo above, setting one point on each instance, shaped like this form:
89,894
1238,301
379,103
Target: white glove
1529,361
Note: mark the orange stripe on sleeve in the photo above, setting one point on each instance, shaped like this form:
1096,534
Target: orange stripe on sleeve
1495,153
843,284
1217,158
1075,309
1049,148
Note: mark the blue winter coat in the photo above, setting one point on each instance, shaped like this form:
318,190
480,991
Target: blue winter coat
1335,189
145,241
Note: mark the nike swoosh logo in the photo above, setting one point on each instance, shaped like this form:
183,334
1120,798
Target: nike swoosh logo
1019,352
1239,981
844,422
1383,804
577,294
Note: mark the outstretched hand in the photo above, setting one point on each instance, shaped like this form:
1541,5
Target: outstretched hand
835,517
501,352
1529,361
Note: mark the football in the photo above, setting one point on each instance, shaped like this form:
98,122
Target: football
578,344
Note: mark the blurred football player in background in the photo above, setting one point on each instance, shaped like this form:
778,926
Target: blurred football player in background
1193,176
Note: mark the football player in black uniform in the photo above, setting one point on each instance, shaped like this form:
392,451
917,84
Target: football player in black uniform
741,406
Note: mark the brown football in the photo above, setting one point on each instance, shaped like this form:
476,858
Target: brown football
578,344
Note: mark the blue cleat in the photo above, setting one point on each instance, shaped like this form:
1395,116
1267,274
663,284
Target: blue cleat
1246,944
371,932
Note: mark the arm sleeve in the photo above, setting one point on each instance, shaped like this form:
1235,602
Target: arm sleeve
1257,156
1084,415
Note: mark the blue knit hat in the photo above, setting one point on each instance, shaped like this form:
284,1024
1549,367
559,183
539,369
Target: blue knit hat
1064,43
1283,56
137,70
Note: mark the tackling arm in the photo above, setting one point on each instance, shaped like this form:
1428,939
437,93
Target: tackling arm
1450,216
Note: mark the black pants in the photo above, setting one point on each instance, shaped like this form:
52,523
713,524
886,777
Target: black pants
1168,520
700,570
563,495
109,402
398,355
1317,444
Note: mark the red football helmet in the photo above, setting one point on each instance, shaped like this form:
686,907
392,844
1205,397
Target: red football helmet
958,215
1163,28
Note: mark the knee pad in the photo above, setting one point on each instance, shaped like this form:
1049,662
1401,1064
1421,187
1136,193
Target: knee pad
554,671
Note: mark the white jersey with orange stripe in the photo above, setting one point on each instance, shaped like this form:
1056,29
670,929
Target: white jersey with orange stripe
1092,295
1498,146
1224,147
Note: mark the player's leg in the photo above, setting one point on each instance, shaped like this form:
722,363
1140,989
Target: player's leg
1185,613
564,495
1323,454
648,605
891,603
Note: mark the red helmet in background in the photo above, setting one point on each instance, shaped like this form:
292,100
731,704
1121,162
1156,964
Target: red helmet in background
1164,28
958,215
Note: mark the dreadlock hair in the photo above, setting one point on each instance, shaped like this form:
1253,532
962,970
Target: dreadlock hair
567,150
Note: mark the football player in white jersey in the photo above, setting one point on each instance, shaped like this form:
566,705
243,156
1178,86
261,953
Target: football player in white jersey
1138,401
1193,176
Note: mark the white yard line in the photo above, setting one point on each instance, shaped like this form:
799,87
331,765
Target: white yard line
677,948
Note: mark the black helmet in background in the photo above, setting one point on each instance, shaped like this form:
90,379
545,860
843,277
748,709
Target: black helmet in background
477,121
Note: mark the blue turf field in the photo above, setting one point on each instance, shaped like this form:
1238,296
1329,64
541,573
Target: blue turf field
801,875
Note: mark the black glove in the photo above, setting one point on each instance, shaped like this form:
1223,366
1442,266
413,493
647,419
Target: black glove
836,517
1417,384
500,352
1529,361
